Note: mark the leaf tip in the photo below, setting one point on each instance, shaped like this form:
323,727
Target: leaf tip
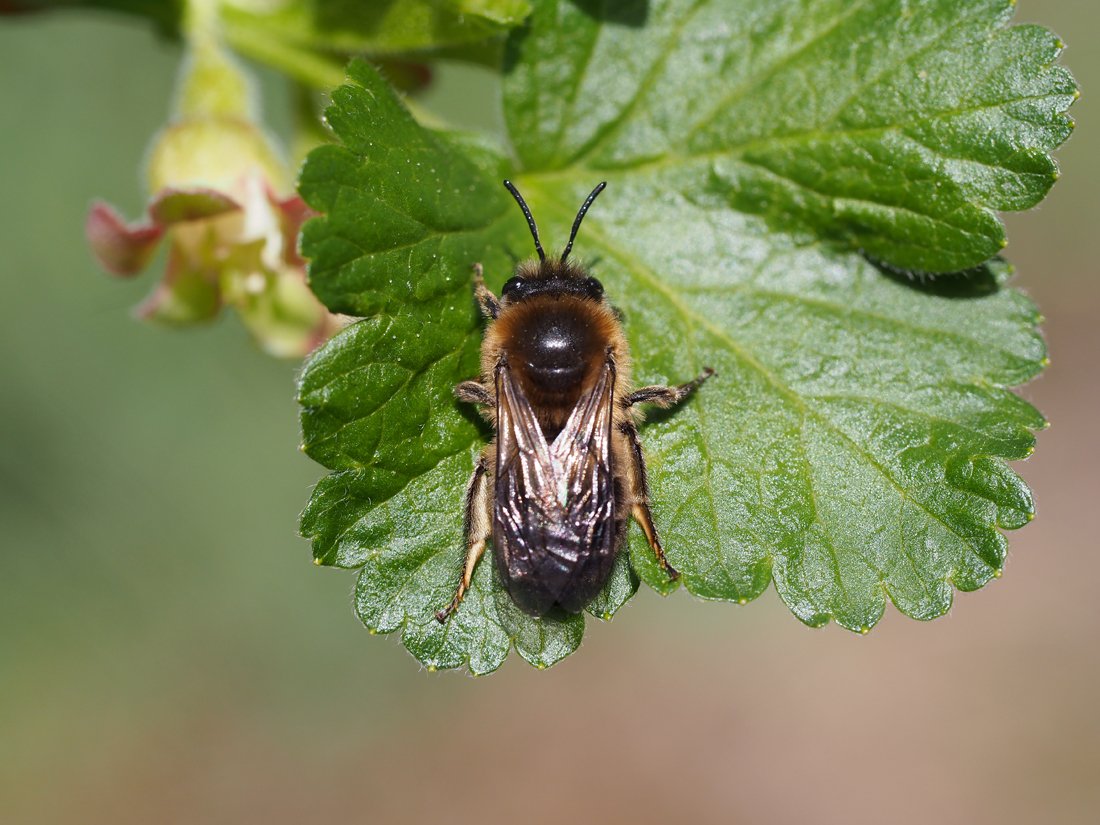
864,630
998,572
317,561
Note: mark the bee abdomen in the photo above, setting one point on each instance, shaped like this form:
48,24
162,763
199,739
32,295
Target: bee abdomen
566,572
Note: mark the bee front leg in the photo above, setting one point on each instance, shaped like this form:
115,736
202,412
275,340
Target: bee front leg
490,306
478,525
666,396
640,509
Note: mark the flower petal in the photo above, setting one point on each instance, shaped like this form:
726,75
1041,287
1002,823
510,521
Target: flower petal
293,213
120,248
187,295
171,205
284,317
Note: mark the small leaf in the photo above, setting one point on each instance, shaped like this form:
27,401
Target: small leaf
851,447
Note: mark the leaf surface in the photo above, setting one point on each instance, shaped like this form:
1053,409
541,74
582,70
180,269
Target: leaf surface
851,447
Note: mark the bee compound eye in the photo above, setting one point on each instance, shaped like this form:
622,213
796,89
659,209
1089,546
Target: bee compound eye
512,286
593,287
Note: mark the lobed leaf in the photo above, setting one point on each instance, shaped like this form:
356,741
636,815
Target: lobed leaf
851,447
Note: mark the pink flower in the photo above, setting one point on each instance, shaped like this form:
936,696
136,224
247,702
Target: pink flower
238,250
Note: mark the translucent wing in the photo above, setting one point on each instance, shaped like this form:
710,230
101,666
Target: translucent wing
555,534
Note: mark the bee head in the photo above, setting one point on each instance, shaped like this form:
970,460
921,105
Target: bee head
556,276
546,280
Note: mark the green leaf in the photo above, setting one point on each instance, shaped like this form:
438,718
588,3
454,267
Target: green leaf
851,447
890,126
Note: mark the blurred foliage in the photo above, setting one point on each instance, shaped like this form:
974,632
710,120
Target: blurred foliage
165,14
382,26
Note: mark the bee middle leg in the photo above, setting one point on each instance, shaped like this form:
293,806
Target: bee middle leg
666,396
473,392
640,508
478,522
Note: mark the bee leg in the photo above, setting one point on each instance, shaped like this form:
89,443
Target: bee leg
666,396
478,525
640,510
473,392
490,306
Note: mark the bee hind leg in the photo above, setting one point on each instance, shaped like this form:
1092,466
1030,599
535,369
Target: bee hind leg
666,396
640,509
478,523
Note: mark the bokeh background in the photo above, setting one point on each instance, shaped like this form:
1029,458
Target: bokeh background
168,653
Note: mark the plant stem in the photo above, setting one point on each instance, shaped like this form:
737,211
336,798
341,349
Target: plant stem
316,70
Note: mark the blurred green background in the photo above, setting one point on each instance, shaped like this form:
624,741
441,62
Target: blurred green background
169,654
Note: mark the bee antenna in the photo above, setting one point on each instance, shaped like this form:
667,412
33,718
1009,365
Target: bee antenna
580,217
527,214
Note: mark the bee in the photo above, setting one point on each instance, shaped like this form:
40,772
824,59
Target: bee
565,471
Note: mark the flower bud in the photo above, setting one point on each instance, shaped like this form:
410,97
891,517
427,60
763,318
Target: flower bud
219,202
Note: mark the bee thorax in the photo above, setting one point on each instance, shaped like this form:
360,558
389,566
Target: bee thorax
555,350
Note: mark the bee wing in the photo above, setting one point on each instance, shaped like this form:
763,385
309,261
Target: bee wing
554,505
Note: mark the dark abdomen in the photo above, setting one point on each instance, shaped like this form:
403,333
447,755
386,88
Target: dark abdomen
564,573
547,564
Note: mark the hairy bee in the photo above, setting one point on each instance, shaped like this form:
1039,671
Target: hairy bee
565,471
